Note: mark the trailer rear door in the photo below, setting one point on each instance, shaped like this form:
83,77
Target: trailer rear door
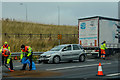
88,32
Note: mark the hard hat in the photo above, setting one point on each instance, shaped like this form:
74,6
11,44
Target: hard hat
6,42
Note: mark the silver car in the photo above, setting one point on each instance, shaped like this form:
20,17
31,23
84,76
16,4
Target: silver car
66,52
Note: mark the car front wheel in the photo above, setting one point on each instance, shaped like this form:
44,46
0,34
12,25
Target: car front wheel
82,58
56,59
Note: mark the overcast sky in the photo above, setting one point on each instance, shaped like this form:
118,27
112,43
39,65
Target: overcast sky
47,12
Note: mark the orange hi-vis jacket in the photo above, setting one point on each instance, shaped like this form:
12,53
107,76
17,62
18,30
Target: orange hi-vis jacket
28,51
8,56
3,52
6,47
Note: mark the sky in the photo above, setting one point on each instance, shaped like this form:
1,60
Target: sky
58,13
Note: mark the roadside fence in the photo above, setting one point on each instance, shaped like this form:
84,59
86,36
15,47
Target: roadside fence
40,36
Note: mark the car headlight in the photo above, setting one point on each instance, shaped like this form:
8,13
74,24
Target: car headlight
48,56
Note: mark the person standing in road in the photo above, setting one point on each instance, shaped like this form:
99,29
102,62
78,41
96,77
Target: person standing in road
5,46
103,47
8,60
26,51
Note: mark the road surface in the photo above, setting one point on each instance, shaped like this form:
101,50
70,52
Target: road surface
75,69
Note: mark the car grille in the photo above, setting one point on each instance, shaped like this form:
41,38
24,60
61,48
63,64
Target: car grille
43,56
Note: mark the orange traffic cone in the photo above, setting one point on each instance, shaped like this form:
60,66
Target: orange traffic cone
100,72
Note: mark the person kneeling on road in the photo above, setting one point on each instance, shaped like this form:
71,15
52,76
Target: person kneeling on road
26,51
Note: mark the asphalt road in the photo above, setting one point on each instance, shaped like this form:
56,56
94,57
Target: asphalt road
75,69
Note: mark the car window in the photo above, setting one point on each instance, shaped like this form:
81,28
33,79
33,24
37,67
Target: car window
75,47
68,48
80,47
57,48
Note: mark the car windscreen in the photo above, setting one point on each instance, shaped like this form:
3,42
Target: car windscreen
57,48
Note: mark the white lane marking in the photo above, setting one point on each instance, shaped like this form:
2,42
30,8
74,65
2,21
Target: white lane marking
74,67
18,66
90,60
22,65
115,74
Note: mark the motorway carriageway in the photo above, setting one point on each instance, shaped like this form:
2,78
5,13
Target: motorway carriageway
75,69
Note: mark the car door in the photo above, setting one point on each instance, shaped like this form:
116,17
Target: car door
76,51
66,52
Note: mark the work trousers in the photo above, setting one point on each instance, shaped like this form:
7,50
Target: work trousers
10,63
3,60
103,53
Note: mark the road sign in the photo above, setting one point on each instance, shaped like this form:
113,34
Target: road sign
59,36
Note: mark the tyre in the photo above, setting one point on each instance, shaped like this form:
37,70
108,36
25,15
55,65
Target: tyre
70,61
39,61
56,59
82,58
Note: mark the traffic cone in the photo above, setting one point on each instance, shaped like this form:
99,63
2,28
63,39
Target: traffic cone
100,72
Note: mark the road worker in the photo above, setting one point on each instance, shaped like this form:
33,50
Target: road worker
8,60
26,51
103,47
5,46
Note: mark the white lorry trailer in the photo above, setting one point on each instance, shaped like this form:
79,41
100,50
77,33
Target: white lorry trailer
94,30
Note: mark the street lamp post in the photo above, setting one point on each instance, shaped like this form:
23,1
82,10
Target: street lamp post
25,10
58,15
59,21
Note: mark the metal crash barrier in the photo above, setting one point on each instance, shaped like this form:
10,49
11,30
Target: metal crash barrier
16,55
113,48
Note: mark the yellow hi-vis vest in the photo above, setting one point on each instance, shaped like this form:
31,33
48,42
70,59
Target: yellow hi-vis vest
103,46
